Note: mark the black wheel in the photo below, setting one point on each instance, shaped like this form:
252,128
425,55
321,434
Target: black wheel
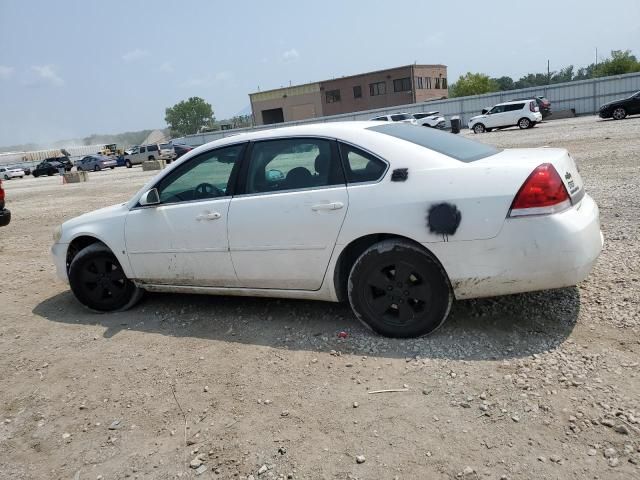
399,290
35,175
98,282
533,124
151,157
96,168
128,163
478,128
524,123
112,168
6,177
489,129
619,113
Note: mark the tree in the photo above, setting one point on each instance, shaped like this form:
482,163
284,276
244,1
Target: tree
619,63
187,117
472,84
532,80
564,75
504,83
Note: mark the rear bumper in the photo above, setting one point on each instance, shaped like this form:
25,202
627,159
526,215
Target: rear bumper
530,253
5,217
59,255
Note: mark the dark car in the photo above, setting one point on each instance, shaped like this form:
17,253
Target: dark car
5,214
544,105
48,167
181,149
618,109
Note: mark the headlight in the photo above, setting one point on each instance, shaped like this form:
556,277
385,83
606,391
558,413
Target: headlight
57,234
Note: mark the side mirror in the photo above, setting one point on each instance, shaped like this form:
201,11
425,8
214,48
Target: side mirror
275,175
484,111
152,197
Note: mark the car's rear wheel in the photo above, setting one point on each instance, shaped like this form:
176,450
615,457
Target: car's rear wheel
6,177
98,281
399,290
619,113
96,168
128,164
112,168
151,157
524,123
478,128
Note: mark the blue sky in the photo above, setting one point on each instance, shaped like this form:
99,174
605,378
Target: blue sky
72,68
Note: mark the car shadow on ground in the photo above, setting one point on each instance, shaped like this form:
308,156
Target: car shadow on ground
507,327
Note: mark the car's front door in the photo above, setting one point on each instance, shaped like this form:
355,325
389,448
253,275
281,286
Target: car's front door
634,104
183,239
496,117
284,222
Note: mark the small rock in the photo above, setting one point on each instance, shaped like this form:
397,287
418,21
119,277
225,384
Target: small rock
609,453
360,459
285,413
262,469
356,404
555,459
608,423
201,469
468,473
515,418
206,388
196,462
613,462
591,452
66,435
622,429
114,425
267,402
282,450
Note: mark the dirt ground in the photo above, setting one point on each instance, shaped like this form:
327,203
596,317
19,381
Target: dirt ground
536,386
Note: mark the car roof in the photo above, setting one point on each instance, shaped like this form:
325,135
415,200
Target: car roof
514,101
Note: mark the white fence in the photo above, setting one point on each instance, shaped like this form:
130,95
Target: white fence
585,97
36,156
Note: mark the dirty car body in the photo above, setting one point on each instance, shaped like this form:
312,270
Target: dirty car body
399,220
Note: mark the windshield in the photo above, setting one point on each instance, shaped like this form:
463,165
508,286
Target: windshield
400,116
446,143
165,146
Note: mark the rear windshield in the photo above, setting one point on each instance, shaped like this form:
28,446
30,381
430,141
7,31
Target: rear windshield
448,144
165,146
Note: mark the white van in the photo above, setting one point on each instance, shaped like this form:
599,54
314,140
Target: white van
137,155
523,113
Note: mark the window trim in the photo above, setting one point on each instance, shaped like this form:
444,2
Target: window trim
359,87
371,89
241,191
335,99
375,155
402,85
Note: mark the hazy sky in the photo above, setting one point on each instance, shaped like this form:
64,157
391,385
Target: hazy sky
72,68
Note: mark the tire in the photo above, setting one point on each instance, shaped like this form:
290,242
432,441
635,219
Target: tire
151,157
6,177
96,168
127,164
49,173
524,123
619,113
98,282
478,128
112,168
35,175
488,129
394,279
533,124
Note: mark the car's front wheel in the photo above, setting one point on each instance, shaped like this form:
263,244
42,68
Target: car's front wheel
478,128
128,164
399,290
98,281
619,113
524,123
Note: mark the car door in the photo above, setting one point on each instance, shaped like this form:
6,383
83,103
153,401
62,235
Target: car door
183,239
634,104
495,117
284,222
514,112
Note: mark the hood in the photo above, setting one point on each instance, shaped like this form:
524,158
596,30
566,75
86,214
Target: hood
106,212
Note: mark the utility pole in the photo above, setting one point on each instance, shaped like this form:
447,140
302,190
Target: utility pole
594,70
548,74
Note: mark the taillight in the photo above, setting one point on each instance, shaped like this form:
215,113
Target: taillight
542,193
532,106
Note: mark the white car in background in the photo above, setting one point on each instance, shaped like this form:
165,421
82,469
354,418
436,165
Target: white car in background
166,152
396,117
430,119
138,154
11,172
521,113
398,220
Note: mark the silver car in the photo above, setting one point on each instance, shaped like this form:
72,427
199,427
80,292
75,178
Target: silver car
96,163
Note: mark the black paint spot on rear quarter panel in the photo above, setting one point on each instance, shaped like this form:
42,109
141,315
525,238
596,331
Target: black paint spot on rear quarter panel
443,219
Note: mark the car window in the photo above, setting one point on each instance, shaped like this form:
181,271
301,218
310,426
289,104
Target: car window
295,163
497,109
152,148
446,143
142,150
361,166
381,119
399,116
203,177
513,107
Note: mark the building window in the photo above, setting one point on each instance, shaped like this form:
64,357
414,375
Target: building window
332,96
437,83
379,88
444,82
402,84
419,83
427,82
357,91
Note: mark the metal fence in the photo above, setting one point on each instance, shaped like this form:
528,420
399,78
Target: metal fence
584,97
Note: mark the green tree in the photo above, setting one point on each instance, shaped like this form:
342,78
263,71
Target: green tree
564,75
532,80
189,116
472,84
621,61
504,83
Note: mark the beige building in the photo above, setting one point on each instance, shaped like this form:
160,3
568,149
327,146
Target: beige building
366,91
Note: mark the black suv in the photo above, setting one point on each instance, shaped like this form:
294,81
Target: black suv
618,109
5,215
51,166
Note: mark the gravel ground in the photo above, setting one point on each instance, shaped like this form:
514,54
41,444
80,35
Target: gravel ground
535,386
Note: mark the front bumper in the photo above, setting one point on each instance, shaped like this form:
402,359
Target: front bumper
529,254
5,217
59,255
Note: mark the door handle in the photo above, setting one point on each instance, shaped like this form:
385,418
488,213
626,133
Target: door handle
208,216
327,206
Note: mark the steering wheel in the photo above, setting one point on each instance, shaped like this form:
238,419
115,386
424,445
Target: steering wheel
206,190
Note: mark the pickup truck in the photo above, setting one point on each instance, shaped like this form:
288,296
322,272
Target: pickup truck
5,214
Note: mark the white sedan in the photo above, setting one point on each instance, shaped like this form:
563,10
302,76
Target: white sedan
11,172
397,219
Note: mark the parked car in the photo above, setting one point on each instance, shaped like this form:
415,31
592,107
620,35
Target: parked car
11,172
48,167
5,214
166,152
64,160
544,105
312,212
397,117
430,119
96,163
619,109
181,149
524,114
138,154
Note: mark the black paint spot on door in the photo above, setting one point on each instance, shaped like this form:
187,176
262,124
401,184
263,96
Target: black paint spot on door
443,219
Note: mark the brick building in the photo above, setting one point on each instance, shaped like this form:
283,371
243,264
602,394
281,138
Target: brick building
365,91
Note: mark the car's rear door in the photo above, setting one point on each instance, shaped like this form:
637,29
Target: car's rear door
284,222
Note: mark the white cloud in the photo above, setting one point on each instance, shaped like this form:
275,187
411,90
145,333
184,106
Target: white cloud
166,67
290,55
6,72
134,55
47,74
